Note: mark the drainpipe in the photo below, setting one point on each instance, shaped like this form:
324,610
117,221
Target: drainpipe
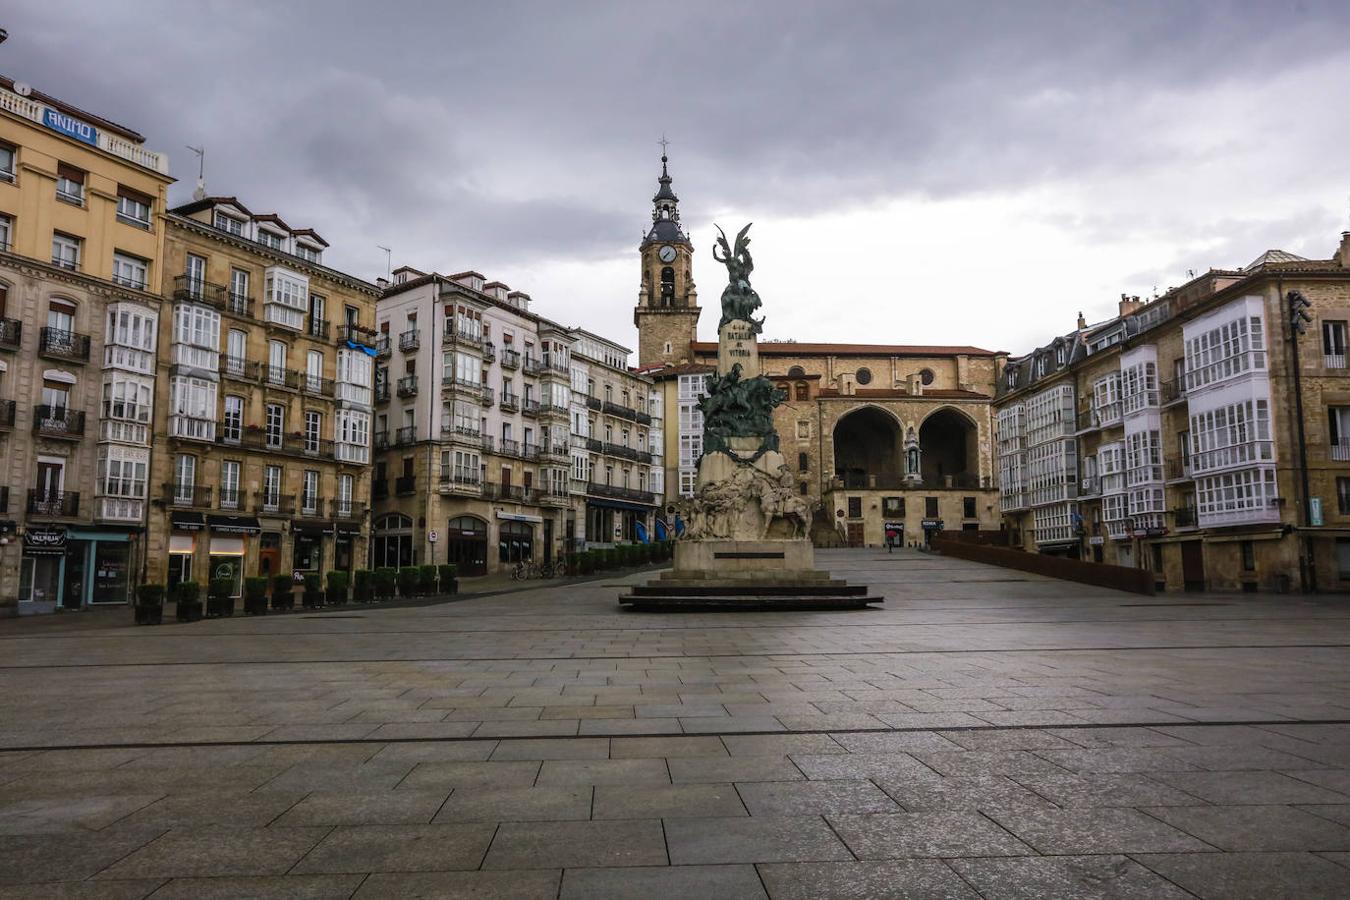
1308,571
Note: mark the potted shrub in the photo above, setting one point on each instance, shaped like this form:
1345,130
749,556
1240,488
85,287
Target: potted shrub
447,575
337,588
282,596
149,604
313,595
187,597
363,586
409,581
255,596
383,580
218,599
586,562
426,579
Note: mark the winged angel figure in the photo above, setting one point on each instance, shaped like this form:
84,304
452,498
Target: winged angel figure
739,299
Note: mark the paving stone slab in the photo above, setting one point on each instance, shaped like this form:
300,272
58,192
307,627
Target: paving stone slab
399,848
890,766
604,771
909,879
57,814
1235,788
1079,877
920,834
678,801
1084,831
1252,876
1261,828
752,840
434,775
702,882
523,885
733,769
217,851
1108,789
282,887
814,798
781,744
666,748
81,890
964,792
894,742
340,807
577,845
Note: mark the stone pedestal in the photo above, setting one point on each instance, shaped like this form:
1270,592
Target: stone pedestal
737,344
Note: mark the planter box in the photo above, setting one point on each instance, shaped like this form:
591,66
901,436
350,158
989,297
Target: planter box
220,606
190,612
149,614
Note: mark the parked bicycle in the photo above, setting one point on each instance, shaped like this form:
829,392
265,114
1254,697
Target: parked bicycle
528,568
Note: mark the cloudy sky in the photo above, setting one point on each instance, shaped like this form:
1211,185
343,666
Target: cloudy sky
935,172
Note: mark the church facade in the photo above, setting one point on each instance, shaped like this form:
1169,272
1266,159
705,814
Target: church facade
886,441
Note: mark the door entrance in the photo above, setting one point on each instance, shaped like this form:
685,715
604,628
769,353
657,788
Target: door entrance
855,534
548,541
1193,566
466,545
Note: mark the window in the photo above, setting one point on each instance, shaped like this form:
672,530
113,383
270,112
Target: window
133,208
286,298
307,253
1338,427
229,224
346,487
855,507
235,343
233,421
309,492
1248,556
803,462
66,251
930,507
276,424
318,325
1333,342
6,232
276,362
122,471
796,372
130,271
271,487
313,426
1343,496
314,370
893,506
968,507
271,239
7,154
926,376
864,376
126,397
801,391
238,287
69,184
229,484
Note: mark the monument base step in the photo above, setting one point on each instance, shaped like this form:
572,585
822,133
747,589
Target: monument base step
725,600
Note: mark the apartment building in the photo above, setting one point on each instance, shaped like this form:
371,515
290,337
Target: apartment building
1197,434
81,242
262,462
489,426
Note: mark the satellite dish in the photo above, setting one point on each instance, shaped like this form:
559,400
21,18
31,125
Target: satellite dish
22,88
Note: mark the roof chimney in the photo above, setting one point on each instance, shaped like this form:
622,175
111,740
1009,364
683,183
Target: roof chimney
1129,304
1343,255
1082,322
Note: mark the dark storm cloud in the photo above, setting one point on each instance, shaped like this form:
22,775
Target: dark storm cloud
499,135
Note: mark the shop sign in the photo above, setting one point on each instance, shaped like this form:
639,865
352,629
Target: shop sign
343,532
69,126
1096,540
932,523
1315,511
234,524
44,542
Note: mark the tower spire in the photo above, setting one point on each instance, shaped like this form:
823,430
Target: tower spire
665,205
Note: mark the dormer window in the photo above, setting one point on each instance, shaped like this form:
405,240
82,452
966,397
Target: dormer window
229,224
307,253
1059,355
271,239
1010,378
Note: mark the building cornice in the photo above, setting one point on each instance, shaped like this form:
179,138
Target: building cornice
26,265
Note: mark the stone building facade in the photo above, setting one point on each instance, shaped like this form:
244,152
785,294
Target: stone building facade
886,441
1178,436
262,462
502,434
81,241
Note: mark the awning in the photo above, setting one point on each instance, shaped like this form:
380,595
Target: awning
312,529
518,517
187,521
619,504
45,541
234,524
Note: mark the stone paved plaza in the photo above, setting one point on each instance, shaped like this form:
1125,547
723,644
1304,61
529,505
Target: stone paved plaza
987,734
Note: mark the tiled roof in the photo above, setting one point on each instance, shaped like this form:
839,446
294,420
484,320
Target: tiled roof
1273,256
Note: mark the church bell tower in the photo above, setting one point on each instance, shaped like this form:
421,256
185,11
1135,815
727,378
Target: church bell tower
667,312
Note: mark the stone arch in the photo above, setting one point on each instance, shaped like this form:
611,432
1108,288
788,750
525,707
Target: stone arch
868,446
949,442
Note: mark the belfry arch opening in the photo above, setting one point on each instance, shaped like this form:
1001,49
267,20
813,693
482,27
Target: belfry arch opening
667,286
867,449
949,444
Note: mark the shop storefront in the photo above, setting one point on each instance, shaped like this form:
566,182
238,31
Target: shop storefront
344,543
187,528
466,545
393,542
73,568
226,548
515,537
307,546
